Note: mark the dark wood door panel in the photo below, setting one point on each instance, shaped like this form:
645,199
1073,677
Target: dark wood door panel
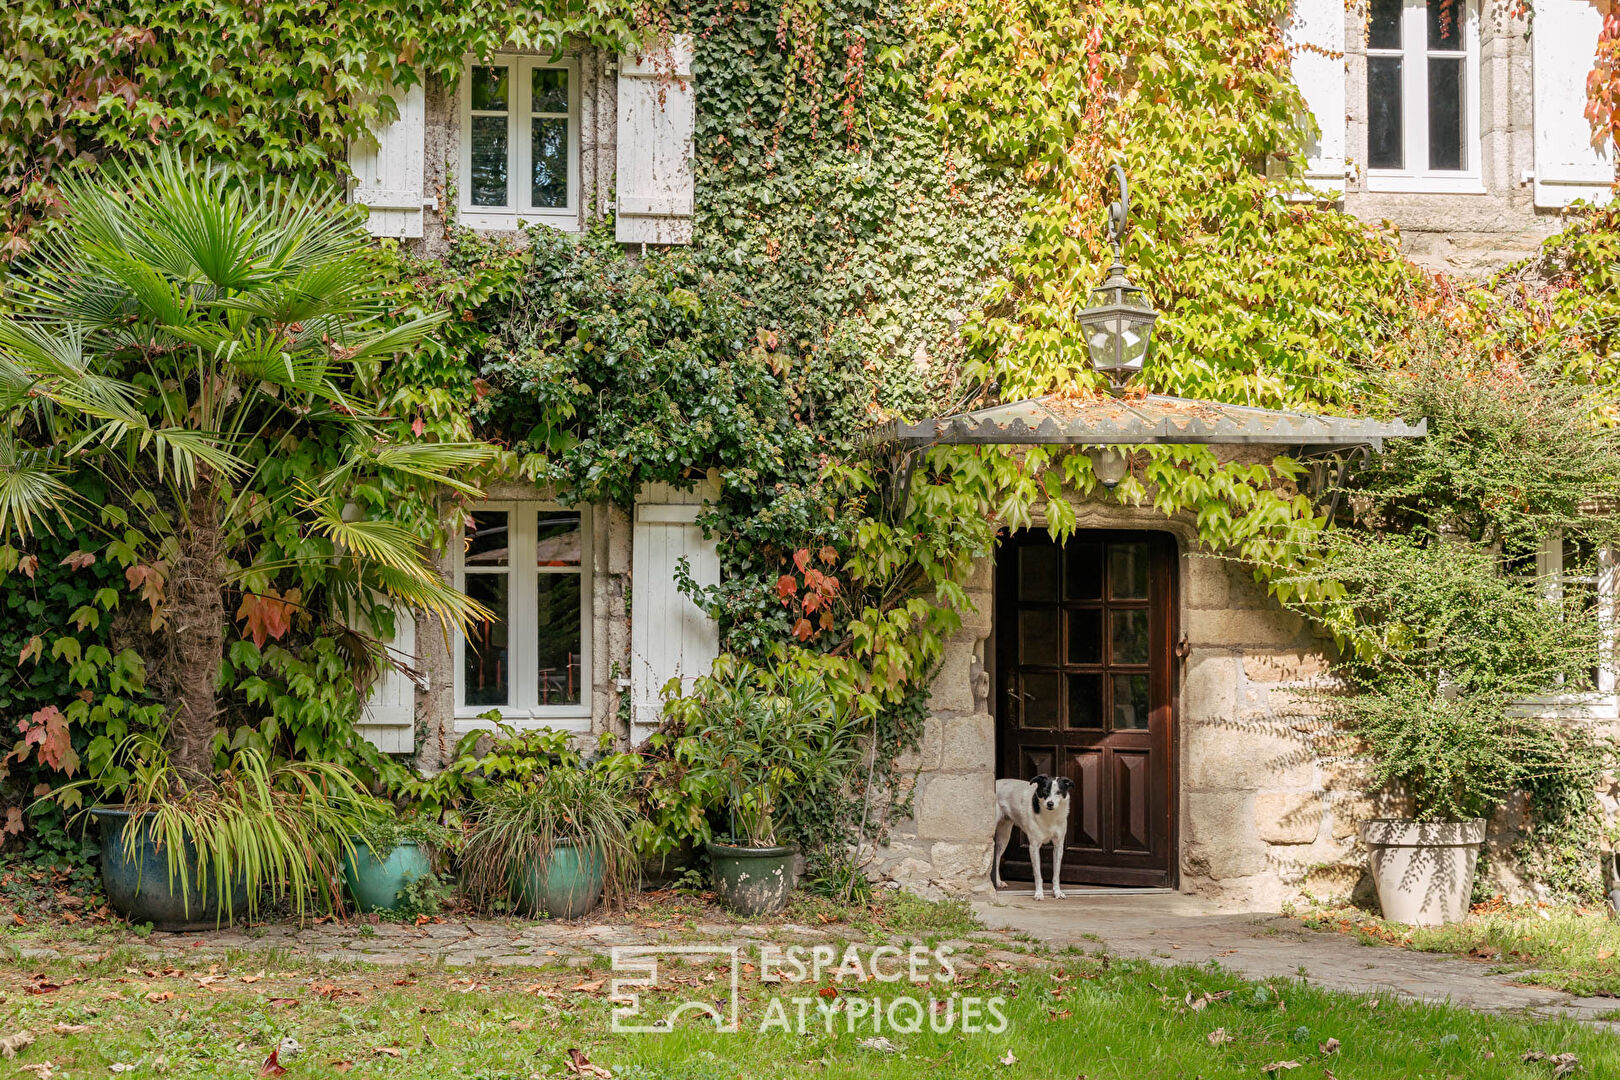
1084,689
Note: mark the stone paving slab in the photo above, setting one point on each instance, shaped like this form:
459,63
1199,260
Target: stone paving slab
1171,928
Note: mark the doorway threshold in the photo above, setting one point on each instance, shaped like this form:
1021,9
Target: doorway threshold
1072,891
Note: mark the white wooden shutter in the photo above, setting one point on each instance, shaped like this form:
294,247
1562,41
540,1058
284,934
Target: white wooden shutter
654,199
388,720
1315,34
1563,45
389,169
670,636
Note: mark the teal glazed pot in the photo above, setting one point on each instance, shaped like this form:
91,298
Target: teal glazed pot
135,873
754,880
566,884
378,884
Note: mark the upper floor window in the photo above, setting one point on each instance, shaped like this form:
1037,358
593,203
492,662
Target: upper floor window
528,563
519,141
1423,95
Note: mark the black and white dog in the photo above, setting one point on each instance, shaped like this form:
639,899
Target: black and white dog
1039,807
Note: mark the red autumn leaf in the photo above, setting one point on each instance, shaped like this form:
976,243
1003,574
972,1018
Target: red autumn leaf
826,620
28,564
829,585
149,580
79,560
271,1066
265,616
802,630
811,602
480,389
812,578
417,427
47,729
828,555
34,649
801,559
787,586
14,821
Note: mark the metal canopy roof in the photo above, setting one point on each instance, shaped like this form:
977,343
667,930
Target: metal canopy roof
1151,418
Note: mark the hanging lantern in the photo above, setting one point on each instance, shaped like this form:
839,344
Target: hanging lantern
1118,323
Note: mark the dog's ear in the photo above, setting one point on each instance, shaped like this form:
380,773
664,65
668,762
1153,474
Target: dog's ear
1065,785
1041,782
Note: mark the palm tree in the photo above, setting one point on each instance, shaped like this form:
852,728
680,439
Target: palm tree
178,334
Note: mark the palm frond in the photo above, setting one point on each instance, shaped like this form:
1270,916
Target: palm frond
31,489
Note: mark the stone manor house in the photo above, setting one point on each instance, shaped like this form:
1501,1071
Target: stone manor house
1160,680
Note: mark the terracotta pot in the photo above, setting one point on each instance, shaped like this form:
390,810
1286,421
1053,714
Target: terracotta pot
1423,870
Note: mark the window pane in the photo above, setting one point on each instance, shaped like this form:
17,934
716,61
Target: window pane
557,636
1446,24
1130,702
1085,637
486,539
1084,580
1038,636
1128,571
1384,24
550,90
1446,114
1085,701
1039,708
1130,636
489,161
557,539
1384,149
1037,571
486,669
548,187
489,89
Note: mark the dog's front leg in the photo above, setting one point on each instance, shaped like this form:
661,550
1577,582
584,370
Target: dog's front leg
1035,861
1057,867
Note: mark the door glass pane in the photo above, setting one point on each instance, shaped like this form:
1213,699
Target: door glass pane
1084,578
1038,636
488,161
1130,636
1041,694
489,89
1085,637
486,539
1130,702
557,629
1446,114
1446,24
486,670
1384,24
548,185
550,87
1037,571
1085,701
1384,149
557,538
1128,571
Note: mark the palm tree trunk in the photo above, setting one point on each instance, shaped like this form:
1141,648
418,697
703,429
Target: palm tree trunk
196,633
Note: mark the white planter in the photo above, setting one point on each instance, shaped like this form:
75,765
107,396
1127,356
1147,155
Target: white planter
1423,870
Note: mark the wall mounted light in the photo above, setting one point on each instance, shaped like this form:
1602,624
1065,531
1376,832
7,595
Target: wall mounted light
1110,465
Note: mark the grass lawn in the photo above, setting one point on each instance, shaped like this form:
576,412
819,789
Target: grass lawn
1573,949
1074,1016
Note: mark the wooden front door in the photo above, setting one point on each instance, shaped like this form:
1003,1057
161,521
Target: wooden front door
1084,689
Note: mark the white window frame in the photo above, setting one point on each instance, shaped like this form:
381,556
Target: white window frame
519,149
1603,701
524,708
1415,54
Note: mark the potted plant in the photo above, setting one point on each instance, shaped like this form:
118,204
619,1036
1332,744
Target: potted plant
201,351
751,734
194,857
395,862
557,846
1443,654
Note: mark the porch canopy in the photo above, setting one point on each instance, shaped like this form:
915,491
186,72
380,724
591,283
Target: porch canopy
1150,418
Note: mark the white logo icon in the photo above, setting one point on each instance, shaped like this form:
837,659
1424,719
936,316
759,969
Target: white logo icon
641,962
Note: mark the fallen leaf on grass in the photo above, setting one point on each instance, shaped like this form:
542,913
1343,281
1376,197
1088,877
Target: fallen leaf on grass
589,987
70,1029
1329,1047
580,1065
44,1070
1279,1066
1218,1036
18,1041
272,1065
878,1043
1009,1058
120,1067
158,996
388,1051
284,1003
340,1065
1604,954
252,978
1563,1064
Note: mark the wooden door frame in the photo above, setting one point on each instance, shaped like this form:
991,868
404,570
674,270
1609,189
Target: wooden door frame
1173,631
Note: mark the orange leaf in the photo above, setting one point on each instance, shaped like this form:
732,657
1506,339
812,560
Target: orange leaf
802,630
